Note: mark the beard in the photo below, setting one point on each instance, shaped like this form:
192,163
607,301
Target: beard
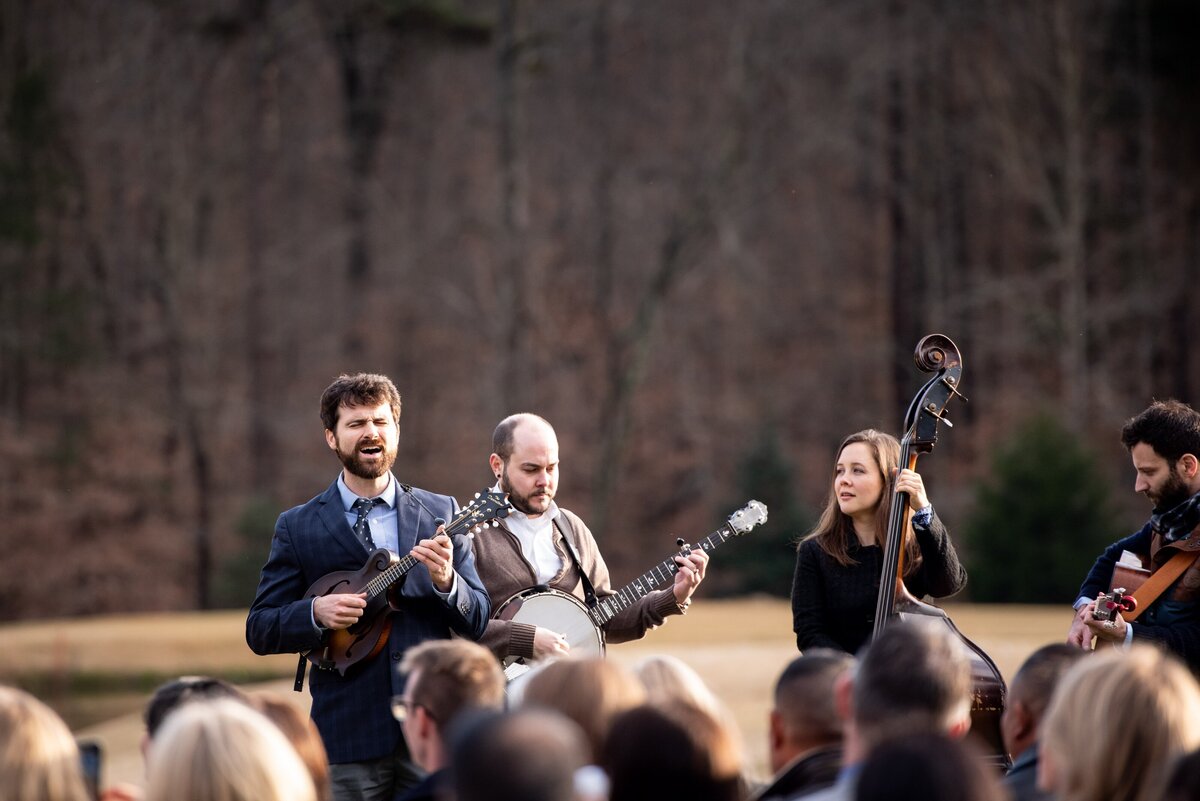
524,503
1172,493
354,464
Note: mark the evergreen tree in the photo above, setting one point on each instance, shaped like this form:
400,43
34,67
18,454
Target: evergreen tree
763,561
237,577
1041,517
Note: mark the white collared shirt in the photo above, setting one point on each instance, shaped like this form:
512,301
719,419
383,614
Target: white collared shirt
536,536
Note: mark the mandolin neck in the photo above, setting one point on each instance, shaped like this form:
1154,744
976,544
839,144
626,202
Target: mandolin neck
380,584
386,578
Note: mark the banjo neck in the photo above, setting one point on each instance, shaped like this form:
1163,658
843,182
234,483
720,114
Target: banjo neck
655,577
582,627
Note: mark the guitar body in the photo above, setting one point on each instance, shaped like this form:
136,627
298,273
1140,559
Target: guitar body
558,611
345,647
1129,577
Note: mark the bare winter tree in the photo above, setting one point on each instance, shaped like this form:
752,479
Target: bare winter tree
1043,100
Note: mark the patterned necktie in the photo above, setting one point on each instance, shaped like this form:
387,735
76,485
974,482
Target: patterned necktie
362,529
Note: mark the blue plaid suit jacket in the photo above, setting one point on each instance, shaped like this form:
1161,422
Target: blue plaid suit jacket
353,713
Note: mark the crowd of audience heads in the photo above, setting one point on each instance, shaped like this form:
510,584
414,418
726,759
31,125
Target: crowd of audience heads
223,750
588,692
1116,725
889,723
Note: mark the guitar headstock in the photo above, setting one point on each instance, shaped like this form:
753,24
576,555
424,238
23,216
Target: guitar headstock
485,510
752,514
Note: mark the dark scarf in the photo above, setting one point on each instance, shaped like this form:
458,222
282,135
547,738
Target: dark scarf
1176,523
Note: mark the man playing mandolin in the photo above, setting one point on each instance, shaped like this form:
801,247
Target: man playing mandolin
1164,443
541,544
364,510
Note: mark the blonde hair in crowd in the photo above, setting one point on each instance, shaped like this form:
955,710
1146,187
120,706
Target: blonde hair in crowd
669,680
222,750
39,760
1115,723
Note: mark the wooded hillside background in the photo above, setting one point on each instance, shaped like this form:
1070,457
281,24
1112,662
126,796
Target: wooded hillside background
700,237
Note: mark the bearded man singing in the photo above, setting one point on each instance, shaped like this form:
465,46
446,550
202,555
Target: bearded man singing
364,509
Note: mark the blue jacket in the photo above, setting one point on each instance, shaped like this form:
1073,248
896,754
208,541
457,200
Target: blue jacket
1173,620
353,713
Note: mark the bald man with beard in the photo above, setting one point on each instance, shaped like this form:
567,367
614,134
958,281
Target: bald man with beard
542,544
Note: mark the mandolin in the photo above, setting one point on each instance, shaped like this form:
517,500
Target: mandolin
343,648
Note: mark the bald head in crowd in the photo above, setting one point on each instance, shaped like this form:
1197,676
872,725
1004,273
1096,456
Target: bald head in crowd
1029,694
805,715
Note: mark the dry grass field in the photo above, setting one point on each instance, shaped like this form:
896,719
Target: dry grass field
737,646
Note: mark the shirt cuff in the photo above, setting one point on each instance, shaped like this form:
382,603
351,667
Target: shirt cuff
1128,635
312,613
445,596
1081,602
923,518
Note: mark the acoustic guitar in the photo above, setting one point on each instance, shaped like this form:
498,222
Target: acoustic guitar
343,648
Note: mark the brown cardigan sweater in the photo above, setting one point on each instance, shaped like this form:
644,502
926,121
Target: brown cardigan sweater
505,572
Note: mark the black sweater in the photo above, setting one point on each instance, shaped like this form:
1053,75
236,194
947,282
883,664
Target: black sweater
833,606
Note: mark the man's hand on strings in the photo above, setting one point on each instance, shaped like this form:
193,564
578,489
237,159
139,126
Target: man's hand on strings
437,554
691,573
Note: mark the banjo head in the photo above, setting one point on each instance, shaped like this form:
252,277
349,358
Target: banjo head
559,612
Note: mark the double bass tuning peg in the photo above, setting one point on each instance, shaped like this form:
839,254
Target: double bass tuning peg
932,410
952,385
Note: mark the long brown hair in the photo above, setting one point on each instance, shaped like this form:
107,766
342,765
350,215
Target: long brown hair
835,531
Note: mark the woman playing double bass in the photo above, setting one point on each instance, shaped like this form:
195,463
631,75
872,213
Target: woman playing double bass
838,564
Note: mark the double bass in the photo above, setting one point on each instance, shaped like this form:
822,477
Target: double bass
936,354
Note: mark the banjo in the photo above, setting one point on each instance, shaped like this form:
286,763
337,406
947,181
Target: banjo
583,627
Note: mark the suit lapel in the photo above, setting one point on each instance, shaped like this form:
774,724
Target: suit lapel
333,516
